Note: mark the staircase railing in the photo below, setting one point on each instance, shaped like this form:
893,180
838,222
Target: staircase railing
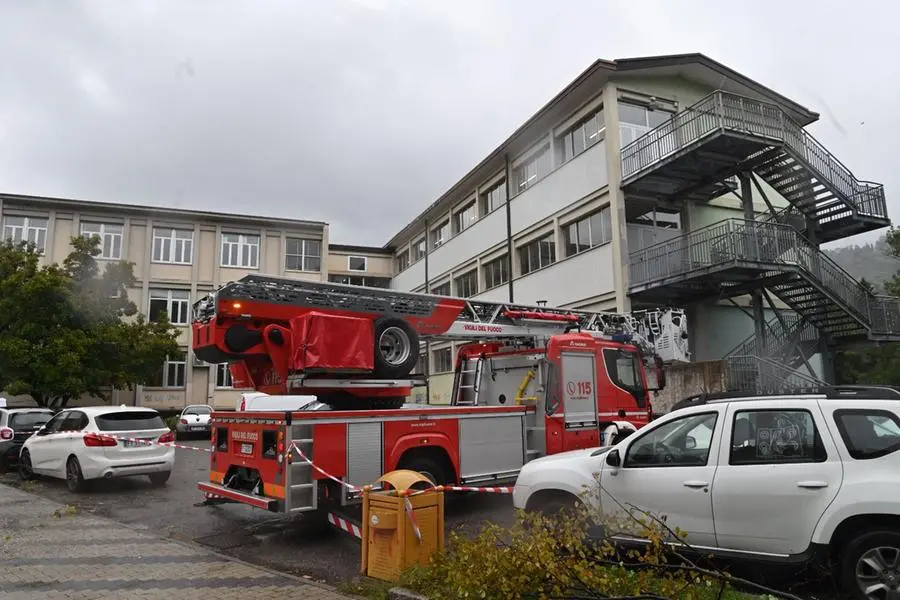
721,111
762,245
778,339
761,375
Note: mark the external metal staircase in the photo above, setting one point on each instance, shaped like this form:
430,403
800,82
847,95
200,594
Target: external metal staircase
690,157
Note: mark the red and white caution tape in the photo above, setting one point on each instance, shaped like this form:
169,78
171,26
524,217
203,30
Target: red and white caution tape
412,518
145,441
344,525
303,457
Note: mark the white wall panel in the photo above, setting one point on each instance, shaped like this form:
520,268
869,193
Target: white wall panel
584,174
411,278
497,294
485,233
583,276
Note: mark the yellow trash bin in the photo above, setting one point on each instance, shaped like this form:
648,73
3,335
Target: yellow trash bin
401,527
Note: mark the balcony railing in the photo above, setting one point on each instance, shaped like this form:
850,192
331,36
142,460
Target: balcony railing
767,246
752,373
777,338
724,112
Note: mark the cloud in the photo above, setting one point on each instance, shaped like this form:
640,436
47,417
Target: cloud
362,112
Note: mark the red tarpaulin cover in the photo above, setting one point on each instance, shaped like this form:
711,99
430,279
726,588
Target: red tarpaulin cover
332,342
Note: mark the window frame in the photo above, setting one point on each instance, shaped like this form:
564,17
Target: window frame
227,377
459,224
182,364
868,412
637,439
25,228
605,230
818,443
242,241
596,116
365,263
524,251
365,280
434,357
403,260
440,235
542,162
485,197
103,225
469,277
439,291
418,248
170,300
503,262
186,243
304,254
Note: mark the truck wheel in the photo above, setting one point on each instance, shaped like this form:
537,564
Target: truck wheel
396,348
425,465
872,561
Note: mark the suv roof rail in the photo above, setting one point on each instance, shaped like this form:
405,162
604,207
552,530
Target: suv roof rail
863,392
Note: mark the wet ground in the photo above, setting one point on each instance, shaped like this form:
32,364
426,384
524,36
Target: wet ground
292,544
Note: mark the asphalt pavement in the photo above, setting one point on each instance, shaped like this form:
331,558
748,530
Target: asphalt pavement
296,545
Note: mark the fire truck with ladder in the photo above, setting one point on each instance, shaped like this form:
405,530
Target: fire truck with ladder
529,381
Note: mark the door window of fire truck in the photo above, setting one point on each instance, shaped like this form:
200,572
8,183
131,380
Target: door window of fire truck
624,370
552,395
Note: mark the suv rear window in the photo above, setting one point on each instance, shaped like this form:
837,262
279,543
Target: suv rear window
868,433
26,420
130,421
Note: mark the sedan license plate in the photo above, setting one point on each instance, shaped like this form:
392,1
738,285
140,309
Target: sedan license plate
198,428
246,448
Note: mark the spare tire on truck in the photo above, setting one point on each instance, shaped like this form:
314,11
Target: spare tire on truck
396,348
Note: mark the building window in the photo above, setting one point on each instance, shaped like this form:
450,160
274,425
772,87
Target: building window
110,238
466,285
418,250
26,229
175,246
223,376
403,261
240,250
442,289
580,137
442,360
357,263
635,120
376,282
440,234
175,303
302,255
532,170
465,217
421,367
174,373
588,232
537,254
493,198
496,272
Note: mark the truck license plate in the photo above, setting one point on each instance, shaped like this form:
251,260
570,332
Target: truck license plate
246,448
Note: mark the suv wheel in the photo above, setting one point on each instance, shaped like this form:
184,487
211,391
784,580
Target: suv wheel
870,566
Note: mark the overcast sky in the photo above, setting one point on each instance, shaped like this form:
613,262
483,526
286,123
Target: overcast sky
362,112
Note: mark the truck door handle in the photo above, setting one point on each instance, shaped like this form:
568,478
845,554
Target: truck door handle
812,484
696,484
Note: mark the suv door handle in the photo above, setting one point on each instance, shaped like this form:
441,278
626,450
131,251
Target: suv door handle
695,484
812,484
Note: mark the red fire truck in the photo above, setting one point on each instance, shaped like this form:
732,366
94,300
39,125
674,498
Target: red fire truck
529,381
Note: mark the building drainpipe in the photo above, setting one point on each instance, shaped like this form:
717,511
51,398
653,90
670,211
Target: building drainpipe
427,365
509,241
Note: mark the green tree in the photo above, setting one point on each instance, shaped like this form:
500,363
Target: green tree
63,331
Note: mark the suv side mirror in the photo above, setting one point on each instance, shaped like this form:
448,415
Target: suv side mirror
690,442
41,431
613,459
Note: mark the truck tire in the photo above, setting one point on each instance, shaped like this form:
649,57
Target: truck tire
396,348
425,465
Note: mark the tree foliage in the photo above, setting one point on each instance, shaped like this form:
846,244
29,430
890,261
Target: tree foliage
69,330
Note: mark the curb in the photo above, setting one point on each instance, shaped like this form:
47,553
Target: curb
399,593
195,546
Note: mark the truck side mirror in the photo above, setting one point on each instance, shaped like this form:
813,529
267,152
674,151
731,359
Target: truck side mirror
660,373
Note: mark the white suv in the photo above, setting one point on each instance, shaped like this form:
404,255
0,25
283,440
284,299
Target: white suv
783,478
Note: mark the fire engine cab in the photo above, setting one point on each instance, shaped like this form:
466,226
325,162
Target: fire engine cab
529,381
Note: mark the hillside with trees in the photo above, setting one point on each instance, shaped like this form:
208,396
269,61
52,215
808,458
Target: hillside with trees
873,262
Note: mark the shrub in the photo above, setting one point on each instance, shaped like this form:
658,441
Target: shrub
171,422
545,558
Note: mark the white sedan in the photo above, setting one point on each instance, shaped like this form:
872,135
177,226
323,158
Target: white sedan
84,444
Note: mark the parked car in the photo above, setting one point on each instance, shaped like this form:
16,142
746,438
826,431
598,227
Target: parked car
789,479
16,426
194,419
85,444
